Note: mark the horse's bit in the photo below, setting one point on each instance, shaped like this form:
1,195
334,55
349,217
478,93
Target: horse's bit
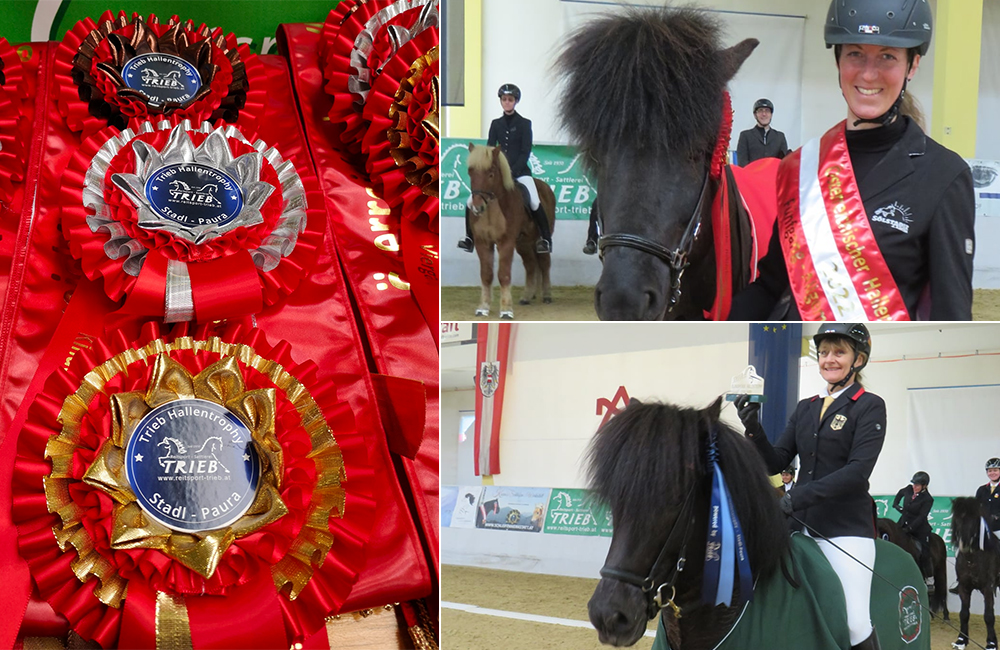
486,196
676,259
656,601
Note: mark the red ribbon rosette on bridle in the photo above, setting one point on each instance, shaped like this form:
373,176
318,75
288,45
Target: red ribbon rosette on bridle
359,39
190,222
126,568
14,125
119,69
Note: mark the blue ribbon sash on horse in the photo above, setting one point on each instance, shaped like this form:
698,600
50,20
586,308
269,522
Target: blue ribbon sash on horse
725,546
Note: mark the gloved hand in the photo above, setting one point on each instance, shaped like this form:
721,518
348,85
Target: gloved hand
749,413
786,503
900,508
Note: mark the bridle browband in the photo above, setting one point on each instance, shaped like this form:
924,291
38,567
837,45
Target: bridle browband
655,600
677,259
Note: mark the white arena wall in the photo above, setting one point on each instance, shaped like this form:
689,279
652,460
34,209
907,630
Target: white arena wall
559,370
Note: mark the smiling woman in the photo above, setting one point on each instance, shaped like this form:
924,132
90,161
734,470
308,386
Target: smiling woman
877,220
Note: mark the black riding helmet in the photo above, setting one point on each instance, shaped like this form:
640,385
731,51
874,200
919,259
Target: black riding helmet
858,336
891,23
923,478
789,470
763,103
993,463
510,89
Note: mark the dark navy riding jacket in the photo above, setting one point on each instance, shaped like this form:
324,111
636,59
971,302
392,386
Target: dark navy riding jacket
836,458
756,143
915,511
991,505
512,133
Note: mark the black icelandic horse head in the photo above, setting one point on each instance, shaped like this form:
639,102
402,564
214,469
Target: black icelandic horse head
649,464
643,103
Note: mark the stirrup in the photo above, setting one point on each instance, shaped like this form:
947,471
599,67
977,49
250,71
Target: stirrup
542,246
590,248
466,244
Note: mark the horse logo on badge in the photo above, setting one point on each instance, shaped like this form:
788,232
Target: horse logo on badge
489,377
839,421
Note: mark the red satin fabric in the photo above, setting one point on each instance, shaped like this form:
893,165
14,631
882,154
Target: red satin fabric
317,321
401,342
225,287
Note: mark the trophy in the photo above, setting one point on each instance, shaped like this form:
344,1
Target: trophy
747,383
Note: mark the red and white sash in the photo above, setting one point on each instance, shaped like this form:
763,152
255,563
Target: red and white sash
835,267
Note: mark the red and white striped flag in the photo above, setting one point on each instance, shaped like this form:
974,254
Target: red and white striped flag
493,346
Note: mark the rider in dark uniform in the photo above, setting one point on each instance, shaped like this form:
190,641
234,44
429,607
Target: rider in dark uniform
989,495
512,133
916,505
761,141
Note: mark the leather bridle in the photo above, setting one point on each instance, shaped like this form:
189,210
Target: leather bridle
656,599
677,259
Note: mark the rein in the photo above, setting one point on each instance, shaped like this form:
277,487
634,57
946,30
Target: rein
655,601
677,258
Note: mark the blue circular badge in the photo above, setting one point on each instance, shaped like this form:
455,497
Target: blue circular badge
193,194
162,77
192,465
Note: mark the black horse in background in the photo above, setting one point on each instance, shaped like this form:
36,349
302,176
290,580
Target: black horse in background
890,531
649,463
978,569
643,102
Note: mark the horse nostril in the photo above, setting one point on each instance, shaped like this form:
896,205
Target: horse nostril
651,300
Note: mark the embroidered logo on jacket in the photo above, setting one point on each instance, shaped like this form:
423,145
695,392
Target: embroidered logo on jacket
839,421
895,215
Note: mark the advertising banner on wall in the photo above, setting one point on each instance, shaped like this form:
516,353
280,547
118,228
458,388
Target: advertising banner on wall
574,512
557,165
986,185
465,507
512,508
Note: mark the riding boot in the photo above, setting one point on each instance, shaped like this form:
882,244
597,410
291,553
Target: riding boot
467,244
591,246
544,244
871,643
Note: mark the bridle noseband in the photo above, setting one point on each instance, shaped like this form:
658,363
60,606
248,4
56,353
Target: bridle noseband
655,600
676,259
486,196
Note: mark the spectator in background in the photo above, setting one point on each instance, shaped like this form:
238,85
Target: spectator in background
761,141
988,495
916,505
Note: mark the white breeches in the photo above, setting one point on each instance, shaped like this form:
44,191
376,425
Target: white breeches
529,183
856,579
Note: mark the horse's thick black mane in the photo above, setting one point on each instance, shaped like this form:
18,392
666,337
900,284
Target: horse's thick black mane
644,458
646,77
966,515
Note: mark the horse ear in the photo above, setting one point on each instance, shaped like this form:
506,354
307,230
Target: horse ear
714,409
471,146
733,57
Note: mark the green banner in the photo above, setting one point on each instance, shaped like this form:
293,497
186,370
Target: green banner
254,22
558,165
939,517
573,512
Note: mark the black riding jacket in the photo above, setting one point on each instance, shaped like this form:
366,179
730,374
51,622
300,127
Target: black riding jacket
512,133
920,204
756,143
915,511
836,457
991,505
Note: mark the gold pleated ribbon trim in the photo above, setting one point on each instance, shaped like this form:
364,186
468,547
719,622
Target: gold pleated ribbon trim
173,631
308,549
423,176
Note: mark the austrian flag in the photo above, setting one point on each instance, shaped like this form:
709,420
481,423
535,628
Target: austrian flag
493,346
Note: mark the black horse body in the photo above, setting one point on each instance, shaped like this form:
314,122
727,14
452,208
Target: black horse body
890,531
978,569
643,463
643,103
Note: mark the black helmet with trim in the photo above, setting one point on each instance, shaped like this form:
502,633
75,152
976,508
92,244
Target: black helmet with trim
856,333
763,102
510,89
923,478
892,23
993,463
789,470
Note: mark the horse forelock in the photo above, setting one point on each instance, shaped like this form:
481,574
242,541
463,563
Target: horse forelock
647,77
643,461
481,159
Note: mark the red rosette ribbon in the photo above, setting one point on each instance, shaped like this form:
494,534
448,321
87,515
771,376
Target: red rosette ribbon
92,94
14,127
177,273
359,40
296,568
401,143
